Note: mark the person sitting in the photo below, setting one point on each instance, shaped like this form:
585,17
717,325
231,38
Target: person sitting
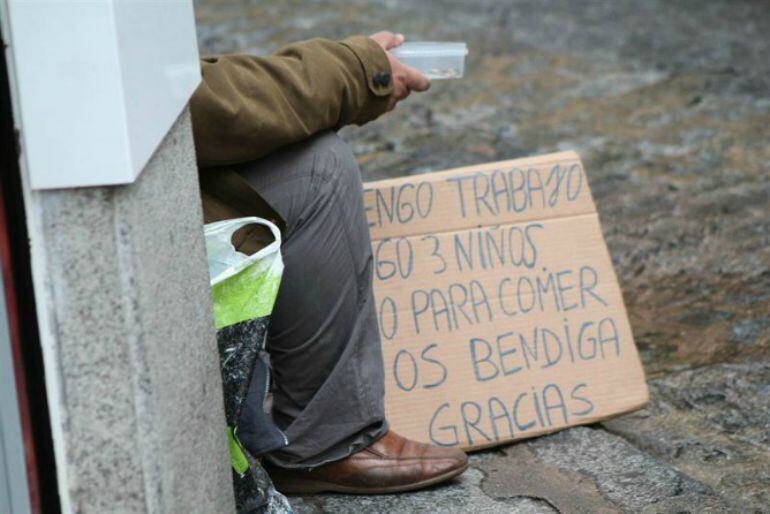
264,130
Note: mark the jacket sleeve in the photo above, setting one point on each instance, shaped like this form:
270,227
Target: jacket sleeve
248,106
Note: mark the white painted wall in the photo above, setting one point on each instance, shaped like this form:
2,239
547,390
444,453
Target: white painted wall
100,82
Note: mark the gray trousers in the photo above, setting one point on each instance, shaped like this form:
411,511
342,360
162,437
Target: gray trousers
323,340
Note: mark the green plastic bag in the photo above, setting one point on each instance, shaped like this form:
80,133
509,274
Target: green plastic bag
243,290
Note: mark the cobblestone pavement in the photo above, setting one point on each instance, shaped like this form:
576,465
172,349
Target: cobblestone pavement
668,102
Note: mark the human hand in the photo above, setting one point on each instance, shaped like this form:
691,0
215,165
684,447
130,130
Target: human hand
405,78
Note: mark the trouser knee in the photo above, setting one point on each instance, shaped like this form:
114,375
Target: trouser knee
333,161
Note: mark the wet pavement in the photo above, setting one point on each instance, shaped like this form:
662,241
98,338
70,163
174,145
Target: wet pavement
668,103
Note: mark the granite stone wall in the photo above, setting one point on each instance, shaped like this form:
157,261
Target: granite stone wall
140,404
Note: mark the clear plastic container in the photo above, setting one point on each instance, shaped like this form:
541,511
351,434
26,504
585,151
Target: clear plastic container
436,60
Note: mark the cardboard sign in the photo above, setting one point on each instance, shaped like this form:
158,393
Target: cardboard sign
500,313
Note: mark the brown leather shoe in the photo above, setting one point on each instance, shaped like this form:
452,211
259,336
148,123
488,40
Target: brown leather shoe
392,464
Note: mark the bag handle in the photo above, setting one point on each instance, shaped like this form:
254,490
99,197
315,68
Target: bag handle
226,228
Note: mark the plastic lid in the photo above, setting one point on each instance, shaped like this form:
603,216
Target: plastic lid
428,48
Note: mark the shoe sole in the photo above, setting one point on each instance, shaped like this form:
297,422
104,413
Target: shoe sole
303,486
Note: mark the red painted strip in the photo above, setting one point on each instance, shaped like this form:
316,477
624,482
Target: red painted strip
18,364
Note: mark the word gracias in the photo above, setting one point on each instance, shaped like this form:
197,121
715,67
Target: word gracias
499,419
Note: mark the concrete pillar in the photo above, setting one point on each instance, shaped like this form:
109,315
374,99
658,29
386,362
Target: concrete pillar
131,359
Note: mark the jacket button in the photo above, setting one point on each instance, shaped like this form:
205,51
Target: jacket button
381,78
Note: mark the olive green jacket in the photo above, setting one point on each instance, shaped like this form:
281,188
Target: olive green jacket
247,107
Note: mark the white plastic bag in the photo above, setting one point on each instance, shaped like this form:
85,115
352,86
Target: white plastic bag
243,286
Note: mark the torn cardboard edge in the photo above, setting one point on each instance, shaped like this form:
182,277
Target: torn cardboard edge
449,208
